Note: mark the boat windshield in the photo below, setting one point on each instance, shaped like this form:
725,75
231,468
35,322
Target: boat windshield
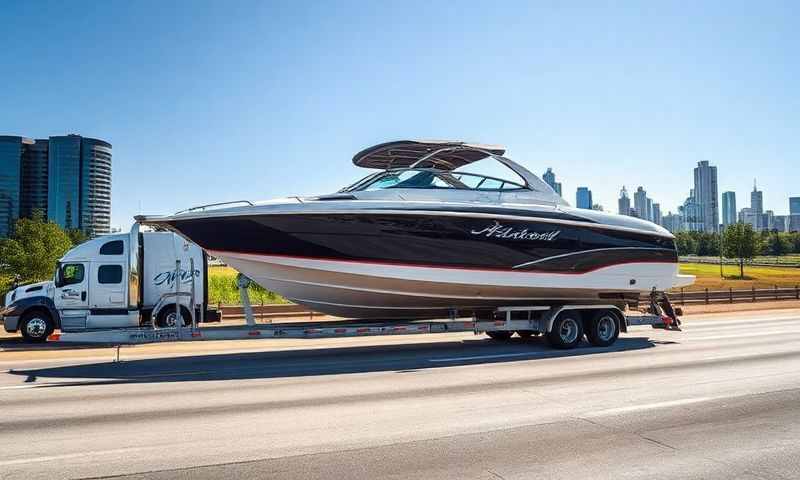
432,179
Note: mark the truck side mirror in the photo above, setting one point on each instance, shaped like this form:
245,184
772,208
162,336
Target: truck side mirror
58,281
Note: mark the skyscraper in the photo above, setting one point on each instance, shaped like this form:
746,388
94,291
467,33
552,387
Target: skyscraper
624,202
657,214
728,208
691,214
756,200
79,183
640,203
549,178
583,198
757,208
11,149
34,179
705,195
794,205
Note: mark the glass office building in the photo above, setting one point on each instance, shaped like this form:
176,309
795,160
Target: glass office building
95,186
64,180
11,148
79,183
583,198
34,179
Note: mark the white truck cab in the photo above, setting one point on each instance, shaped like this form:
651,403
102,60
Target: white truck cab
112,281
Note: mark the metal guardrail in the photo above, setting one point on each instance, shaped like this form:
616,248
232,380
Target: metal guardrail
265,313
735,296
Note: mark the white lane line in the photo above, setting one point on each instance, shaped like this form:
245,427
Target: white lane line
482,357
711,323
22,387
650,406
66,456
745,335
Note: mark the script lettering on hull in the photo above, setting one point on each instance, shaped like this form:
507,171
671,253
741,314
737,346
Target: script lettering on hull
498,230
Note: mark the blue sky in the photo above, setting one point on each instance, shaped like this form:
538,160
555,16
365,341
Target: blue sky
213,101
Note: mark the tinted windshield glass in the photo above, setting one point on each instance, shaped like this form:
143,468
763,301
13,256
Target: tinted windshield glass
410,179
490,167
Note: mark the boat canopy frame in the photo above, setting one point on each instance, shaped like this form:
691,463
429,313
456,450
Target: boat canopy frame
443,156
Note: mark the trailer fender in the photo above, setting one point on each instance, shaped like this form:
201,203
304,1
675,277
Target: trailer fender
27,304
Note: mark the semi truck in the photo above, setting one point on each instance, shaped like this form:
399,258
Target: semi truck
111,282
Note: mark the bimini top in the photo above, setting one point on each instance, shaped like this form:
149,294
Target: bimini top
407,153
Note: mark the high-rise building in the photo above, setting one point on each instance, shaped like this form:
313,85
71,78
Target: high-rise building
67,178
11,149
756,200
794,205
746,215
657,214
624,202
728,208
672,222
34,179
649,203
79,183
793,223
691,214
640,203
757,218
705,195
583,198
549,178
780,222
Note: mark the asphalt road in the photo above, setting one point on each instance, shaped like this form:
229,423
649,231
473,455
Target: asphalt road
719,400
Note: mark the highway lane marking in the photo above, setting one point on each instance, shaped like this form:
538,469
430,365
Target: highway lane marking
483,357
67,456
650,406
743,335
710,322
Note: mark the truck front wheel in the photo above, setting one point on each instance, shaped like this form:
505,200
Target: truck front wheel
36,326
166,317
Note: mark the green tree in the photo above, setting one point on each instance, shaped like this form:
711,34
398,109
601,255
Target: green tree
685,243
76,236
741,243
33,249
777,244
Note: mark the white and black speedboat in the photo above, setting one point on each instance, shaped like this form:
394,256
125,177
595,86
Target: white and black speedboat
427,235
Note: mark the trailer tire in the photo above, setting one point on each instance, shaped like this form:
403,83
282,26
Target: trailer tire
166,317
567,331
500,335
36,326
603,329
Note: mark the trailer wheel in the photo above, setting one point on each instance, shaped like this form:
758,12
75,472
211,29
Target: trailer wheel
36,326
166,317
501,335
603,329
566,332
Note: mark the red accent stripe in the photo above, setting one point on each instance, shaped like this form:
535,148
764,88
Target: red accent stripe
442,267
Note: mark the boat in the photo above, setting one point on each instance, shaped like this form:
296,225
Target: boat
430,234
